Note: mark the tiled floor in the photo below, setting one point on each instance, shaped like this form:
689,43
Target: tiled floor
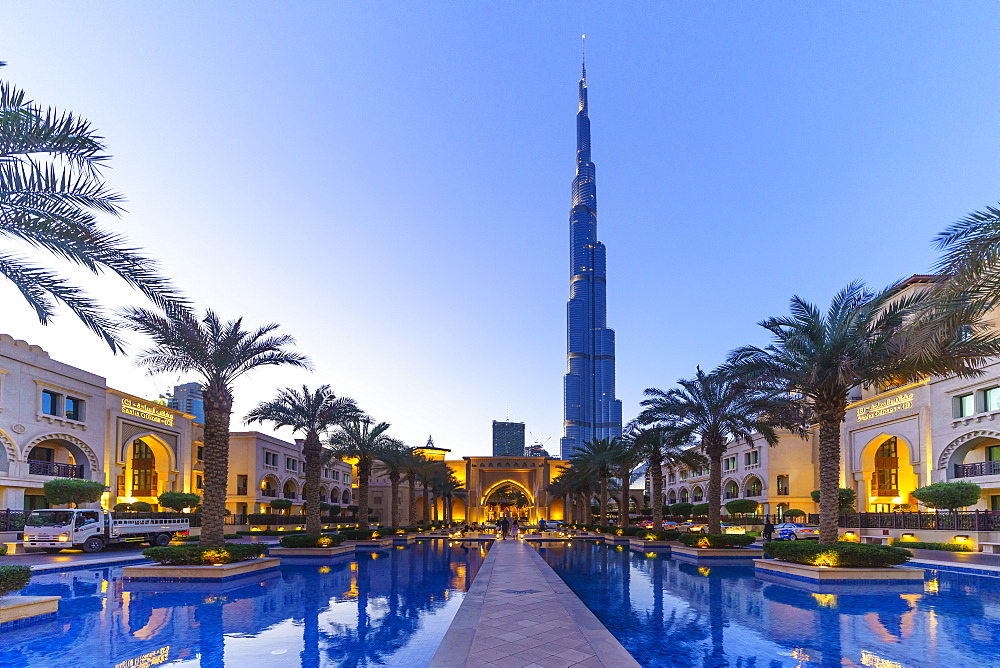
528,618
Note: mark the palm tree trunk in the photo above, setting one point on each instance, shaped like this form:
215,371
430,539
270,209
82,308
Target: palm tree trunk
830,418
624,505
656,490
218,409
427,505
312,452
394,503
714,447
413,500
603,500
447,508
364,473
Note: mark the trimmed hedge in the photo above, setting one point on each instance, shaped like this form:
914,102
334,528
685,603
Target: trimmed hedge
919,545
195,539
193,555
3,550
716,540
325,540
13,579
649,534
843,555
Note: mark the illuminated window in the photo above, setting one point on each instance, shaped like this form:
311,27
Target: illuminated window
782,485
886,479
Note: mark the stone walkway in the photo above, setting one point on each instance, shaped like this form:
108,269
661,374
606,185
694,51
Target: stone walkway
520,614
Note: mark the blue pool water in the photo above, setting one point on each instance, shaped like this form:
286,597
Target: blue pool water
390,608
670,613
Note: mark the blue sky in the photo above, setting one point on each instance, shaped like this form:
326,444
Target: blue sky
391,181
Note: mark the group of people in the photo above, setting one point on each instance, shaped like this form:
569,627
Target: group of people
504,526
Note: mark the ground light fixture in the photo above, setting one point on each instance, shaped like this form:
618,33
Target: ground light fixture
961,539
908,536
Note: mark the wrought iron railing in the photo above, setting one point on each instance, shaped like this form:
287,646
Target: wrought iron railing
289,495
269,493
55,469
976,469
12,520
966,520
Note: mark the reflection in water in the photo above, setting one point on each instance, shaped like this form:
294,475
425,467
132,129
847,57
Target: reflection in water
670,613
380,609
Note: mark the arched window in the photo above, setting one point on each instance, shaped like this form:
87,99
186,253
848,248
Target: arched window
346,498
885,482
671,497
684,496
782,485
732,490
697,495
754,487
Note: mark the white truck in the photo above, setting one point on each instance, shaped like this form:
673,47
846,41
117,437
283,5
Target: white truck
90,530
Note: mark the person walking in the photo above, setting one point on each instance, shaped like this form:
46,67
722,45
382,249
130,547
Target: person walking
541,525
513,529
768,530
503,526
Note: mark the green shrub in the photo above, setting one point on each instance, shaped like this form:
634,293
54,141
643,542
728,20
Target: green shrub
326,540
716,540
72,490
843,555
13,579
178,500
270,532
193,555
3,550
195,539
699,510
141,507
357,534
948,495
650,534
741,507
646,512
122,507
845,499
682,509
794,512
281,504
919,545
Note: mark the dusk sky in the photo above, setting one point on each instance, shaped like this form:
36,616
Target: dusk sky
391,181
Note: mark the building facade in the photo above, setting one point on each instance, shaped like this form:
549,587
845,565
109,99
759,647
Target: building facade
778,478
508,439
187,398
590,407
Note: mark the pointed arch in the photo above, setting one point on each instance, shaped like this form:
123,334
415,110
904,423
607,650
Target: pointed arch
80,450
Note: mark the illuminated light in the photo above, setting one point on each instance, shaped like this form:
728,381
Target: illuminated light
874,660
932,586
619,548
704,543
147,412
374,555
828,559
651,555
908,537
703,571
897,500
324,569
255,528
400,547
961,539
324,541
884,407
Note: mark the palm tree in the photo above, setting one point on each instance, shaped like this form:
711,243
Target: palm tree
597,456
717,409
365,441
219,352
971,259
868,339
428,471
662,446
393,463
625,460
51,191
447,486
412,469
312,414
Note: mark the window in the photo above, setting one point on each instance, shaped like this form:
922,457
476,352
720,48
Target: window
74,409
199,482
782,485
995,502
684,496
201,452
50,402
993,453
964,405
291,464
991,399
885,482
752,458
335,475
729,463
241,484
732,491
347,478
270,459
754,487
697,495
672,476
378,500
684,474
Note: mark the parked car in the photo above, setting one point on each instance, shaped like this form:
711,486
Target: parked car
733,528
645,524
670,526
795,531
692,527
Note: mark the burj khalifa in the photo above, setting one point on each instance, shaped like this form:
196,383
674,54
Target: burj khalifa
590,408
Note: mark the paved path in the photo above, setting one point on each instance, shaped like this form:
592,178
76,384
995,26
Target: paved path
520,614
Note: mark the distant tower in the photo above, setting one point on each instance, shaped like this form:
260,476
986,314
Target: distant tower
508,439
187,398
590,408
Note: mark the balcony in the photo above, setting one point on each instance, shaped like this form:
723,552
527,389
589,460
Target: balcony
269,492
977,469
289,495
241,491
38,467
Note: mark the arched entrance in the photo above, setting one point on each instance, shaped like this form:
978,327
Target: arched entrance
146,475
889,477
507,499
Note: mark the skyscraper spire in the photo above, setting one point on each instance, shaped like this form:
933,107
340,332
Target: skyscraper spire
590,407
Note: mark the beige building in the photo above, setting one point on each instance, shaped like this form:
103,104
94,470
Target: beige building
778,478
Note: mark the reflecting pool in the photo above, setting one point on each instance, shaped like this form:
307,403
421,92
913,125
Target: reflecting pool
670,613
383,608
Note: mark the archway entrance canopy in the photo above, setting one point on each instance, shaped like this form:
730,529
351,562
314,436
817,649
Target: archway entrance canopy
508,499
